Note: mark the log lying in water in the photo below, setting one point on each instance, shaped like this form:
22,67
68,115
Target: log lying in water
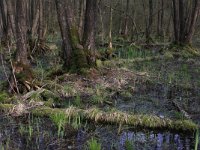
117,117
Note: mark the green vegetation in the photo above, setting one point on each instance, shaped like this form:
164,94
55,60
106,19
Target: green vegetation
129,145
93,144
197,139
60,120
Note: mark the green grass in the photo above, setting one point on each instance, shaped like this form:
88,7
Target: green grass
93,144
77,101
129,145
60,121
197,139
4,97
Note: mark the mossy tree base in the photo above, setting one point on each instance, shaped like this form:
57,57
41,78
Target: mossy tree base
181,50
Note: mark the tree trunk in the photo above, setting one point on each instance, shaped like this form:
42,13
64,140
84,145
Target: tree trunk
3,10
150,22
11,17
73,50
21,32
81,18
193,21
22,76
89,30
125,32
35,16
64,28
110,46
184,20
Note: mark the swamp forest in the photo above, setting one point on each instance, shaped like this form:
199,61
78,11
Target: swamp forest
99,74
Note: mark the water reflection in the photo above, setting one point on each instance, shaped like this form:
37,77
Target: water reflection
157,141
14,135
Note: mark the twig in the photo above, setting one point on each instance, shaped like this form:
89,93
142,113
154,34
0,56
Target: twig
13,72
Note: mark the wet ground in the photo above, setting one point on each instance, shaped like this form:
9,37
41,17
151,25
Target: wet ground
41,134
143,87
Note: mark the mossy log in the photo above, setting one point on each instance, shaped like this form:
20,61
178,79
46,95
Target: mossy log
115,117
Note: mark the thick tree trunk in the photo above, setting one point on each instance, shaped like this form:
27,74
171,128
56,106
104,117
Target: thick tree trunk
81,18
160,22
66,45
185,18
11,17
22,76
150,22
21,32
73,50
35,13
193,21
89,31
176,21
3,10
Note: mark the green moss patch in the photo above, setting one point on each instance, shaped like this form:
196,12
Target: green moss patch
118,117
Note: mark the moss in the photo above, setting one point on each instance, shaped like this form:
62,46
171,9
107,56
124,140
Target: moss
185,51
48,95
117,117
126,95
4,97
49,103
79,61
74,36
6,107
45,111
99,63
113,117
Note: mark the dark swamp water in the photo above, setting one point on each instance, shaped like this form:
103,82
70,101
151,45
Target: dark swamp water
41,134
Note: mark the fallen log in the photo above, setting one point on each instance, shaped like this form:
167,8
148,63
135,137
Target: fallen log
114,117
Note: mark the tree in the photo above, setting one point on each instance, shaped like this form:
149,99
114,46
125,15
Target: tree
75,53
21,33
184,17
89,30
21,71
150,22
125,32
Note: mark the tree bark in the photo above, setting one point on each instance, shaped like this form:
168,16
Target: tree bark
89,30
64,28
81,18
21,32
150,22
195,14
125,32
184,20
73,49
11,17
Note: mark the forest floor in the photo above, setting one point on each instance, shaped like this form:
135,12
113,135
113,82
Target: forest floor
139,82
